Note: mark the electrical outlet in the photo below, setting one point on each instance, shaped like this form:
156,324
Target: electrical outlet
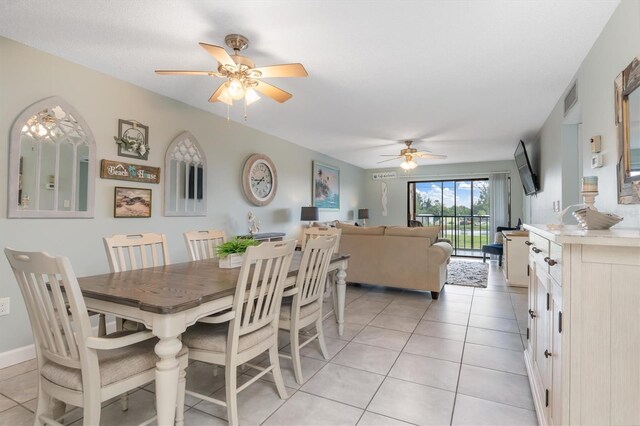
66,203
5,306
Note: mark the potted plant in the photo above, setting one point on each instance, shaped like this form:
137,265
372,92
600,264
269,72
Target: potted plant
231,253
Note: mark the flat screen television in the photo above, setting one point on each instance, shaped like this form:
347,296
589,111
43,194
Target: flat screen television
528,178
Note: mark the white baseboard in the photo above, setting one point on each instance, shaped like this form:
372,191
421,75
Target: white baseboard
17,355
26,353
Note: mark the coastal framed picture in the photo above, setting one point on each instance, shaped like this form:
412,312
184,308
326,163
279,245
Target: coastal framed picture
326,186
131,202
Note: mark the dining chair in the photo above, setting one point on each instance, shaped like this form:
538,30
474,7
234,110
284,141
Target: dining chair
302,305
252,326
202,245
127,252
315,232
75,367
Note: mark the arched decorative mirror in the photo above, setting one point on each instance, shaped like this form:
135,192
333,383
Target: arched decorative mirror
185,181
627,98
51,163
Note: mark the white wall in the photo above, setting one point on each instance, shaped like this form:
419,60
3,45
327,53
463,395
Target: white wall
28,75
397,188
615,48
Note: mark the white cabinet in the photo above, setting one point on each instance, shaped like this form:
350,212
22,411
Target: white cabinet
515,254
583,338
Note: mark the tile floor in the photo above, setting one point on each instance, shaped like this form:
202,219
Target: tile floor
403,359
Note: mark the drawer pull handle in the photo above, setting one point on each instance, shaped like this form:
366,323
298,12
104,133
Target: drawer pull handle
550,261
536,250
547,354
528,243
532,314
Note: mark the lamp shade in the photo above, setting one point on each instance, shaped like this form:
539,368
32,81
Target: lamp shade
363,213
309,213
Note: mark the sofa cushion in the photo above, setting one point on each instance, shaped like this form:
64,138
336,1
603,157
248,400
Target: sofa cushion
361,230
430,232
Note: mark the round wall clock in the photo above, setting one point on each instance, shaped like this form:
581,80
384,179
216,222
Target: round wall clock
259,179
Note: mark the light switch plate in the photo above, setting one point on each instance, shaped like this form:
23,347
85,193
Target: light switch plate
5,306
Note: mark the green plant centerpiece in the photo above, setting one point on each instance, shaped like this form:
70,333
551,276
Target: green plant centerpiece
231,252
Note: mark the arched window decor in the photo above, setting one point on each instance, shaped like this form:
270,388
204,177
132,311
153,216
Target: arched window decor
51,163
185,182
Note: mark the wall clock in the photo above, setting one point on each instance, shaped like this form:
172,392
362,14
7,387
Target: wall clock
259,179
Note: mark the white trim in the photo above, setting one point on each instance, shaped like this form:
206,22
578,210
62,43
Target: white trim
17,355
27,353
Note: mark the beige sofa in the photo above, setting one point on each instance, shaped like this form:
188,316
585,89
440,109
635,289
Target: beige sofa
396,256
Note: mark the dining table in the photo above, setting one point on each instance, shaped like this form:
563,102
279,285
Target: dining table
168,299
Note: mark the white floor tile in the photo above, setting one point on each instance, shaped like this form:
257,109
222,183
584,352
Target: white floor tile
381,337
304,409
450,350
495,358
426,371
472,411
413,403
498,339
373,419
395,322
442,330
497,386
366,357
344,384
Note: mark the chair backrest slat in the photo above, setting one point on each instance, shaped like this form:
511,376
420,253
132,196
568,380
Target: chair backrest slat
134,251
312,274
201,245
47,284
315,232
260,284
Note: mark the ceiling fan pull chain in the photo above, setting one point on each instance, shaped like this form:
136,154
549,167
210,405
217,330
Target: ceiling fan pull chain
245,108
227,113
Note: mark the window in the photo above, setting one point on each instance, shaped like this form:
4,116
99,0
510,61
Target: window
459,207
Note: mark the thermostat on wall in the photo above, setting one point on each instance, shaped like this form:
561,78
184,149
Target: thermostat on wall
596,161
596,144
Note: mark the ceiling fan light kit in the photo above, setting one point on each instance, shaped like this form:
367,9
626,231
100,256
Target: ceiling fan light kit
243,79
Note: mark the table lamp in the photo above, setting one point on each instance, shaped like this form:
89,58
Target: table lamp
364,215
309,214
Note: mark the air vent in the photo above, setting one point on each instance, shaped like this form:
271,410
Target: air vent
571,98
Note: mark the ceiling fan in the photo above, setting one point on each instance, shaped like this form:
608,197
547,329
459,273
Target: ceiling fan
243,79
408,154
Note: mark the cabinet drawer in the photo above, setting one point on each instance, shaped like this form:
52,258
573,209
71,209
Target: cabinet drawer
555,255
539,249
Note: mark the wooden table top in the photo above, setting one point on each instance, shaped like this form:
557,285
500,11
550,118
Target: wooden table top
172,288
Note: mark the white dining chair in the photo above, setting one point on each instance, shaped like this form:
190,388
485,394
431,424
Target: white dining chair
323,231
202,245
302,305
127,252
252,326
75,367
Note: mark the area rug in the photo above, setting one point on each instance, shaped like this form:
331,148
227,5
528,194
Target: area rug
470,274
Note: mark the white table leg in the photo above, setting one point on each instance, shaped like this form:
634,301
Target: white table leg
341,289
167,370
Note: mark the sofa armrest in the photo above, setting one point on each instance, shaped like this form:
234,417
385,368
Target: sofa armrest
440,252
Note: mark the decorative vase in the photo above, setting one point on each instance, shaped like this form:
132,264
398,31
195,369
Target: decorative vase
233,260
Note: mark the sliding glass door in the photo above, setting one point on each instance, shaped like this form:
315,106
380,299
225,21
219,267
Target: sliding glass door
459,207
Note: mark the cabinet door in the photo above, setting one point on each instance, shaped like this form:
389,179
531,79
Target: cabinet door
531,324
542,359
555,397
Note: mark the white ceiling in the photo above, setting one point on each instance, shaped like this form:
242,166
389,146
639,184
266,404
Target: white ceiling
468,78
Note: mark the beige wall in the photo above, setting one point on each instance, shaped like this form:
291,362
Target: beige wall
615,48
28,75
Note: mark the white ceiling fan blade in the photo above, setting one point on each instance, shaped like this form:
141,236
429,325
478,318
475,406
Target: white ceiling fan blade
180,72
430,156
219,53
273,92
283,70
421,152
390,155
390,159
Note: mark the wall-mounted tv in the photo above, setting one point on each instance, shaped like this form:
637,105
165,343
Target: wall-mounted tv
527,176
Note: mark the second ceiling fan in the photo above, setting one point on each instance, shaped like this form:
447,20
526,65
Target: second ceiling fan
243,79
409,154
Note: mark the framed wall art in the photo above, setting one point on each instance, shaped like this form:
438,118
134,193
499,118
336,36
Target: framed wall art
133,139
131,202
126,171
326,186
